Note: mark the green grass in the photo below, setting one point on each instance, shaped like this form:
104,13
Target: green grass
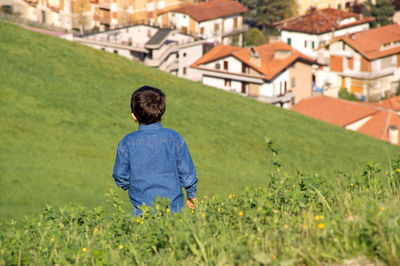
64,107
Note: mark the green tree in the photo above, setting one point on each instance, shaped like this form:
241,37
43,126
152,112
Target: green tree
382,11
254,37
264,13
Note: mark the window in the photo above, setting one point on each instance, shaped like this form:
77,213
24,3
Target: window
184,70
225,65
293,81
184,54
305,44
218,66
244,88
148,33
235,23
228,82
184,29
216,27
244,68
312,44
184,16
115,52
289,41
103,49
202,30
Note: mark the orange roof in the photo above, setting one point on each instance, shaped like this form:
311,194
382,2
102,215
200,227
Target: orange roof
378,125
211,10
342,113
389,104
269,66
369,43
320,21
332,110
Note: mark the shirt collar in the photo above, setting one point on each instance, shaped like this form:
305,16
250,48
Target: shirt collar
150,126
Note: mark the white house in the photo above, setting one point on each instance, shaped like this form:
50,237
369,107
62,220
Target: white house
317,27
365,63
166,49
218,21
273,73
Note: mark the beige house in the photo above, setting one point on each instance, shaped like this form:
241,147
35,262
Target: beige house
218,21
273,73
365,63
305,5
66,14
110,14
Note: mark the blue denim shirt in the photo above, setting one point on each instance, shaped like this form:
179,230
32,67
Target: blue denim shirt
155,162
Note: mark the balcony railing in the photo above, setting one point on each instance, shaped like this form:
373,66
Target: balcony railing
287,97
242,29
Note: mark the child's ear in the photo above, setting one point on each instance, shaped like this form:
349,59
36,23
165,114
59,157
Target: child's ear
134,117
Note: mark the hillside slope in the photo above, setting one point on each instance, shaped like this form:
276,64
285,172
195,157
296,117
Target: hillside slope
64,107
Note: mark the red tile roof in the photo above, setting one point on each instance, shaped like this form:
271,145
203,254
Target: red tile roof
389,104
343,113
335,111
369,43
320,21
269,66
211,10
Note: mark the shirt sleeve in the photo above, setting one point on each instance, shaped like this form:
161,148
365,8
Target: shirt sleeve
186,170
121,171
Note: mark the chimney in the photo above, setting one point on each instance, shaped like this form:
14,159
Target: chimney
255,58
393,135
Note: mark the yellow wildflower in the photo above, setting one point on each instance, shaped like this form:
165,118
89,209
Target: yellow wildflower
321,226
286,226
121,246
84,249
142,222
168,210
382,208
398,170
203,215
387,172
192,211
219,209
351,185
241,213
202,201
52,239
95,230
231,196
318,217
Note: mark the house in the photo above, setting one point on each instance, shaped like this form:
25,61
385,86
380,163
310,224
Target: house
66,14
165,49
317,27
305,5
218,21
274,73
373,120
365,63
110,14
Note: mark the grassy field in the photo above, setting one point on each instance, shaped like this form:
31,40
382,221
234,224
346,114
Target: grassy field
64,107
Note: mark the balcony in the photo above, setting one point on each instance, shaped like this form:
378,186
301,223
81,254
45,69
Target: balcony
287,97
242,29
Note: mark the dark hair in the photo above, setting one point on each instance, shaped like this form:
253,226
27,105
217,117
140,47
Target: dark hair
148,104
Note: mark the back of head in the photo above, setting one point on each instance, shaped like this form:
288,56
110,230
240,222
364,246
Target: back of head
148,105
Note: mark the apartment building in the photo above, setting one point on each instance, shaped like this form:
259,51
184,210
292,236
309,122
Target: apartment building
306,5
317,27
165,49
217,21
273,73
365,63
66,14
110,14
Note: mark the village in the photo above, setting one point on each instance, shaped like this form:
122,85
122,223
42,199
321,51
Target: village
319,59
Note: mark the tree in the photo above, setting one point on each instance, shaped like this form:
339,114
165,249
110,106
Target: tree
254,37
264,13
382,11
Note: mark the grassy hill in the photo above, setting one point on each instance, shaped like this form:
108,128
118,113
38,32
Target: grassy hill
64,107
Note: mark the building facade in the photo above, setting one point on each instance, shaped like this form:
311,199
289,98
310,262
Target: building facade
308,32
306,5
273,73
65,14
110,14
217,21
365,63
165,49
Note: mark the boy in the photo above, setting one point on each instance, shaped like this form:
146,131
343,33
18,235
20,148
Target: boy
154,161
